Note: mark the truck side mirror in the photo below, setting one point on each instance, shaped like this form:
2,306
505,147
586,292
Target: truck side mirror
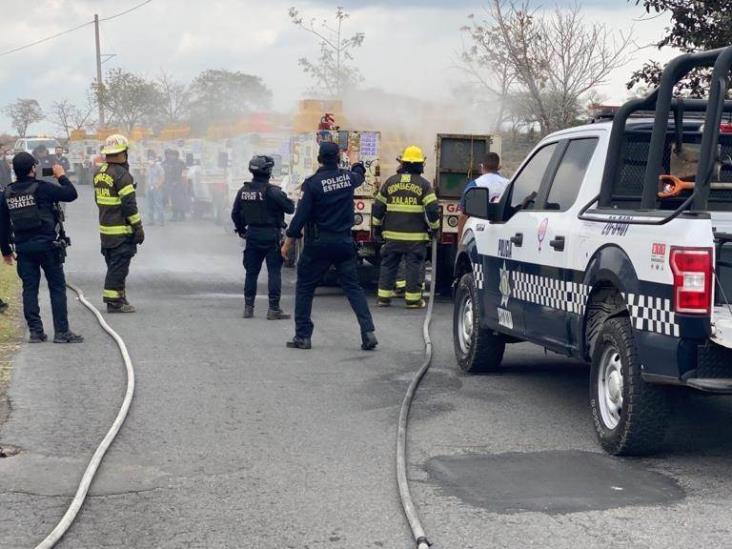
478,204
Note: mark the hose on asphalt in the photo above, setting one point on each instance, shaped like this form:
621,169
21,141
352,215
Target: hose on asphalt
91,469
410,510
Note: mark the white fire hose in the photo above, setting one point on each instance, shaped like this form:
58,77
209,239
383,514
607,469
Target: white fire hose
91,469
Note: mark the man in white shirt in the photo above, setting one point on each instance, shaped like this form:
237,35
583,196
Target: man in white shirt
490,179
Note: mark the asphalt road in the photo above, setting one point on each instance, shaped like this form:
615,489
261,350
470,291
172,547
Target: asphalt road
235,441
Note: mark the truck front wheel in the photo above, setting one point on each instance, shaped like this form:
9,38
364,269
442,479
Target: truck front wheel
630,415
477,349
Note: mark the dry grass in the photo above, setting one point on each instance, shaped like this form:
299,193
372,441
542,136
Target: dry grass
10,322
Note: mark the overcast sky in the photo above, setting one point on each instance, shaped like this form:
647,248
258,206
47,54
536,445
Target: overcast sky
410,45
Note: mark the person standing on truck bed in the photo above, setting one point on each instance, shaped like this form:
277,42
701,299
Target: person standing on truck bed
490,179
326,213
259,216
405,212
120,223
29,215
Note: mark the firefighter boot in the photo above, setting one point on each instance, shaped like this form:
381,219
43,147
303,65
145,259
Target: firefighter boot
120,307
277,314
421,304
384,302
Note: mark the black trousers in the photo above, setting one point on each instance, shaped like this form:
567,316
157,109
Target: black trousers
118,267
29,271
256,253
414,255
315,261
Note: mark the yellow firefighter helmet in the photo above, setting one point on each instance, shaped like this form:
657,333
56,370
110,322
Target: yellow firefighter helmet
413,155
115,144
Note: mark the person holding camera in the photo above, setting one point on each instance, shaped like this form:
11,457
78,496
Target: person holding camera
30,218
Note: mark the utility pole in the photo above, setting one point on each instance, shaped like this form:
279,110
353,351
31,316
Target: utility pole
99,72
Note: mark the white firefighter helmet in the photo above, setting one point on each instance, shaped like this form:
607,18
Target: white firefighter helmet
115,144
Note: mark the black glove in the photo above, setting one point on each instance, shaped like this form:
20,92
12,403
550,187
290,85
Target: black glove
359,168
138,236
379,235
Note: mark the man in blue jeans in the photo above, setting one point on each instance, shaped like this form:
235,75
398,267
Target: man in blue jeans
325,211
28,214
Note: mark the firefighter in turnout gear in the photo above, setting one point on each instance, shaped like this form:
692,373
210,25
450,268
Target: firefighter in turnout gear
405,213
31,218
259,217
120,224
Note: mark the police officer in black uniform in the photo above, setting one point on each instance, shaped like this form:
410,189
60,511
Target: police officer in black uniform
29,214
259,216
5,180
325,211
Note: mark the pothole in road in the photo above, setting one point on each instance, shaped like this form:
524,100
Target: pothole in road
7,451
553,482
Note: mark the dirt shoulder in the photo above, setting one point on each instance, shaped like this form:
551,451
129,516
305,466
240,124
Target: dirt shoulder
10,331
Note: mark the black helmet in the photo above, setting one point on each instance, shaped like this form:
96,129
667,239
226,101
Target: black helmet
261,165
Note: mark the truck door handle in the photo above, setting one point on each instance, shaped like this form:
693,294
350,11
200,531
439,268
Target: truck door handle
517,239
557,243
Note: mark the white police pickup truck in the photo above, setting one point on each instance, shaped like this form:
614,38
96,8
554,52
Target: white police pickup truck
613,244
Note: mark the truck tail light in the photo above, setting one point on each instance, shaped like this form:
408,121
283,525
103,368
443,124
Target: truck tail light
692,271
448,238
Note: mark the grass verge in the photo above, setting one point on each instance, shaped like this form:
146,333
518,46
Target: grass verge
10,330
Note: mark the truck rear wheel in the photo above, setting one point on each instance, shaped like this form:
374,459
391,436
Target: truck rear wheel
477,349
630,415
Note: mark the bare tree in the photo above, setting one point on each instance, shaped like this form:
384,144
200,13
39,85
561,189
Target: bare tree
176,99
331,72
487,68
68,117
553,58
23,113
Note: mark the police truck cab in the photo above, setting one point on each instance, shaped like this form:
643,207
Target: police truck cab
613,244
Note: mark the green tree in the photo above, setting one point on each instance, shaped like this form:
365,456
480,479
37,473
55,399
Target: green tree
129,99
217,95
332,73
695,25
23,113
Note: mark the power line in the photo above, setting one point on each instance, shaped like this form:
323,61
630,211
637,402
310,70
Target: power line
120,14
62,33
42,40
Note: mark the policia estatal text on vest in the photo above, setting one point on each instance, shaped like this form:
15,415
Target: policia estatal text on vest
30,217
120,223
325,212
405,213
259,216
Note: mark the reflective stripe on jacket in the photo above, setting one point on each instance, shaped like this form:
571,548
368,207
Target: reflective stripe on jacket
114,192
406,207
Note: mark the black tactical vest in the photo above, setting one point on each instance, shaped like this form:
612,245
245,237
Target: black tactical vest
255,207
25,212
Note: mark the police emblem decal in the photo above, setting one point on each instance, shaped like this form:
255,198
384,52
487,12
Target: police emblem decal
504,285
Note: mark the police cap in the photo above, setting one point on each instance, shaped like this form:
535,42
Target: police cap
261,165
23,163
